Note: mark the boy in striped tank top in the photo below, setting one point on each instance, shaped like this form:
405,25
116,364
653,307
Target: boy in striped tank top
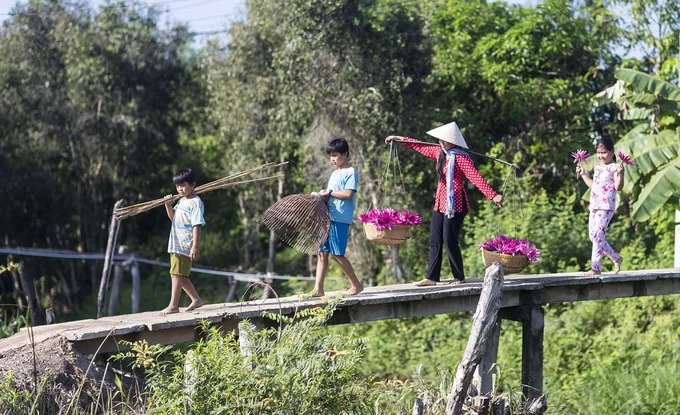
185,239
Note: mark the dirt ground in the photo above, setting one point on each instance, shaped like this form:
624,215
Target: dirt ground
63,370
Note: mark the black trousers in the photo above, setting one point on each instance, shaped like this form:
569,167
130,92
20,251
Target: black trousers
444,231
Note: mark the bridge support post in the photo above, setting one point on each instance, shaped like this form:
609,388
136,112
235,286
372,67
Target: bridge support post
532,352
532,320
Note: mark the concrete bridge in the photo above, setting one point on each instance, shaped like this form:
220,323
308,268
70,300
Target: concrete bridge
523,298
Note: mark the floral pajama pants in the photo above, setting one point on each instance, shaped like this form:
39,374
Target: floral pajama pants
597,230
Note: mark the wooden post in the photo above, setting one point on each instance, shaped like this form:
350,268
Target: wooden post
486,369
532,353
115,289
232,290
106,271
28,286
418,407
136,285
483,323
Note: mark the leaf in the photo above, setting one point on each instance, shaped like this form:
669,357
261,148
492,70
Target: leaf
664,185
650,83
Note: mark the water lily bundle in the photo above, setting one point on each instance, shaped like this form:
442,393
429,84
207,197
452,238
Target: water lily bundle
387,218
625,159
511,246
579,155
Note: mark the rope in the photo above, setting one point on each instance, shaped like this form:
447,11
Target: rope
396,173
511,173
473,152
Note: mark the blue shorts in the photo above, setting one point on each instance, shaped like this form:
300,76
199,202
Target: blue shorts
337,239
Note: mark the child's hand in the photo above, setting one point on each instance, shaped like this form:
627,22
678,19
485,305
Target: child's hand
498,200
168,199
193,254
619,167
325,193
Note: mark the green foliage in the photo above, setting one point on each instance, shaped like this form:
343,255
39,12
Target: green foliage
654,142
13,400
633,341
299,369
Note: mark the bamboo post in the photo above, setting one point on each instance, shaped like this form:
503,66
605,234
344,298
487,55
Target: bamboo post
483,323
114,227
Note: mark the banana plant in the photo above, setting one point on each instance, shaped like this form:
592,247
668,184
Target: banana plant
654,142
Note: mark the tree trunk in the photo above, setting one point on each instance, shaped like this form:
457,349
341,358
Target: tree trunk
271,252
28,285
245,221
396,263
483,323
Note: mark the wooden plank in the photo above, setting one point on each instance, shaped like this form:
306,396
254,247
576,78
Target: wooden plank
375,303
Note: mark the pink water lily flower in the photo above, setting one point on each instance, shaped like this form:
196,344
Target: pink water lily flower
387,218
510,246
625,159
579,155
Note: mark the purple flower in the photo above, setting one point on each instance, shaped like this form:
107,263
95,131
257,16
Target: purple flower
579,155
625,159
387,218
510,246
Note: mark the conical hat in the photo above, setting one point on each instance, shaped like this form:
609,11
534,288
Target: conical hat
449,133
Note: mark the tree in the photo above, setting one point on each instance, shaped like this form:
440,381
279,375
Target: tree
654,141
89,113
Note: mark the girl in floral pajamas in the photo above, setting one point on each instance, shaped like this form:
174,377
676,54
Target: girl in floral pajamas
607,180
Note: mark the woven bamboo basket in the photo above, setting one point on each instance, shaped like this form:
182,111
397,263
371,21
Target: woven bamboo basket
395,236
512,264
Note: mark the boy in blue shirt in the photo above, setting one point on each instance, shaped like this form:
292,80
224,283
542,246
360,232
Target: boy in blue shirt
341,193
185,238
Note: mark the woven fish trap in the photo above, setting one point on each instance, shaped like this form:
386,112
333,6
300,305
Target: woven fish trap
512,264
302,221
395,236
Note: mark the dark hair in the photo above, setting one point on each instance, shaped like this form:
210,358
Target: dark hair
184,175
440,166
337,145
607,143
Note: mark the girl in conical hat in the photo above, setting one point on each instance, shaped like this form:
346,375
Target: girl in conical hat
451,202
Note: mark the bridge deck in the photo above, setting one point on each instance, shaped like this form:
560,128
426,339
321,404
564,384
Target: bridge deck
375,303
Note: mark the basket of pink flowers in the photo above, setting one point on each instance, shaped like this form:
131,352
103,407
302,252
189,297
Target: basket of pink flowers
388,226
513,254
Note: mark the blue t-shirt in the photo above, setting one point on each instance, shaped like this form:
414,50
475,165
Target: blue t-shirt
342,210
188,213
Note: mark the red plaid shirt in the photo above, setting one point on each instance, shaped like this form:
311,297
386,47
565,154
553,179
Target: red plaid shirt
464,169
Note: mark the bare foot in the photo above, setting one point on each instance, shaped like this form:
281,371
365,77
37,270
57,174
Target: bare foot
318,293
592,272
169,310
354,290
617,265
425,283
195,304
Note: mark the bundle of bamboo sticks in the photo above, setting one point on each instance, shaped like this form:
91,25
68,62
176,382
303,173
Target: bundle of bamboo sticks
223,183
